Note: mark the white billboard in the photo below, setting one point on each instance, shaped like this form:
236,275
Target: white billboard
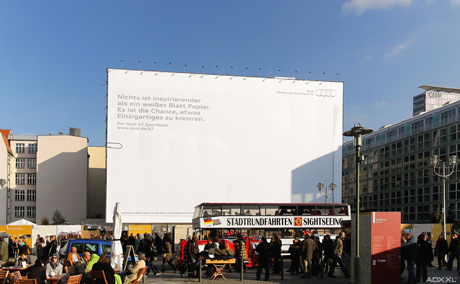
175,140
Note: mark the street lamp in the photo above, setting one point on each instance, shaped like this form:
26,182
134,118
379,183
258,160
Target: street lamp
444,171
357,132
2,182
320,186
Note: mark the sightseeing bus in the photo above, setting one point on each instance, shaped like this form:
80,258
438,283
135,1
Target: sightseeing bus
254,220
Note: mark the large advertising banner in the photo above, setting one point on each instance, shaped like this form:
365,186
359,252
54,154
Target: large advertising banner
175,140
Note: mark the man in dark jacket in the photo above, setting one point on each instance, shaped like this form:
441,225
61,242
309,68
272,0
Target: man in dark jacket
410,248
264,249
424,253
453,247
37,271
441,250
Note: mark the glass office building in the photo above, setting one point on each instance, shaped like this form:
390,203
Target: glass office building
396,174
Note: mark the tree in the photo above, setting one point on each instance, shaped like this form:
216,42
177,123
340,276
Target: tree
436,216
45,221
58,218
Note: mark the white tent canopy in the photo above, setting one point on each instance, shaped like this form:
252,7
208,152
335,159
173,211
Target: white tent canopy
21,222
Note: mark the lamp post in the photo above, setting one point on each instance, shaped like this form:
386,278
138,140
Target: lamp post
357,132
320,186
444,171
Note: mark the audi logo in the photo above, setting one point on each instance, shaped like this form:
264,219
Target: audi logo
325,93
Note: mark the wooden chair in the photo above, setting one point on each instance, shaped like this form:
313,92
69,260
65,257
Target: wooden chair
98,275
70,270
27,281
75,279
3,276
67,263
15,276
140,275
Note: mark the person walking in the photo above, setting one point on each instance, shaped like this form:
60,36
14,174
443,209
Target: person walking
338,251
295,251
409,245
453,247
440,250
430,240
264,249
167,258
308,248
328,253
423,258
276,253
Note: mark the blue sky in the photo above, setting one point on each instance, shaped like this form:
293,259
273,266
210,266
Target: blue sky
53,54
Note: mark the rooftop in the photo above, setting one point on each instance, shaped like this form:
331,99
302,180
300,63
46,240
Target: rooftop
439,89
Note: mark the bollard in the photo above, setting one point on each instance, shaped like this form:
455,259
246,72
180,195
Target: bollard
200,264
282,267
241,269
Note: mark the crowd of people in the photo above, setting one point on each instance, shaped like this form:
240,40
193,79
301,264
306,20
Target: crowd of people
46,263
311,257
418,254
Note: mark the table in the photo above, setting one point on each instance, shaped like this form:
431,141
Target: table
219,264
55,279
14,268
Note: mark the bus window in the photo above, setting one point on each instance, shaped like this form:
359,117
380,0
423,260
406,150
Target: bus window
342,210
288,210
250,210
268,210
196,213
211,210
324,210
231,209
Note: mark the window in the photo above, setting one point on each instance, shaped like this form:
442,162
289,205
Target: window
91,248
448,117
31,163
31,195
20,163
79,247
106,249
20,148
19,211
417,127
31,178
32,148
31,211
20,178
19,195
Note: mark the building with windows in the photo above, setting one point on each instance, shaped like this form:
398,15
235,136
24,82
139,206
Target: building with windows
22,203
45,173
6,159
434,97
396,174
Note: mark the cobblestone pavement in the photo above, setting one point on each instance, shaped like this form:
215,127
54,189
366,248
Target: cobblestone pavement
248,277
434,276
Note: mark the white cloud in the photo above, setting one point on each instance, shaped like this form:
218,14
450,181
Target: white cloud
399,48
354,108
455,2
380,104
360,6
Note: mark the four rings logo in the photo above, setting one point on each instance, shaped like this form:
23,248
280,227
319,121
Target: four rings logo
325,93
